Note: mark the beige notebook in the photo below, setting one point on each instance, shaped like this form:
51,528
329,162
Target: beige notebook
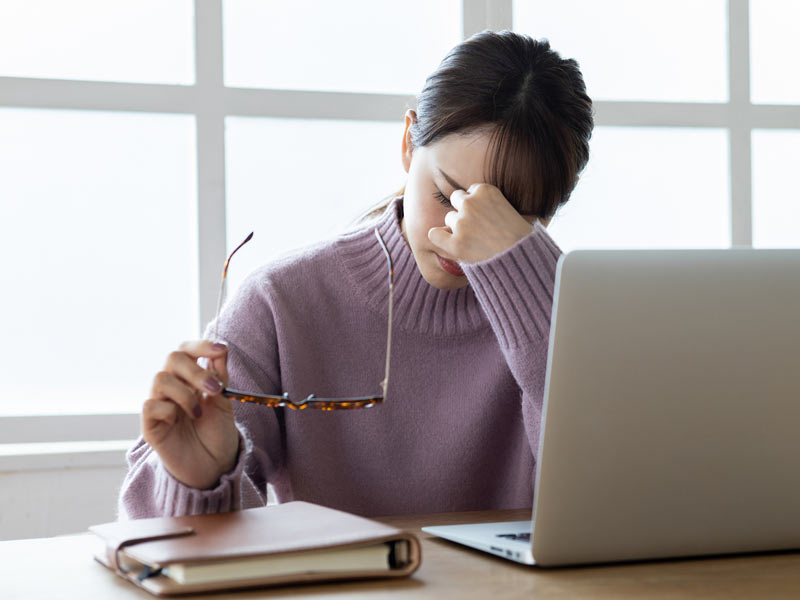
274,545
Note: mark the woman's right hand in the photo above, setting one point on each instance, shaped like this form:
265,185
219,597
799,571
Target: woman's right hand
187,420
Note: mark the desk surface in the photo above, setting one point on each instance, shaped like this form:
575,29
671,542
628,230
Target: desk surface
62,567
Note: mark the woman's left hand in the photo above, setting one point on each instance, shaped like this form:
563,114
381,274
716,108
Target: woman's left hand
482,225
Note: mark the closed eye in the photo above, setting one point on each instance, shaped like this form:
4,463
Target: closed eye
443,200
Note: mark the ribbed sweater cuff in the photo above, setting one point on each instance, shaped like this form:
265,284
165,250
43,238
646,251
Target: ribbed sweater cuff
177,499
515,288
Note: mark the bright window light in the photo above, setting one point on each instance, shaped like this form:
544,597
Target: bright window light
347,45
650,188
658,50
774,51
297,181
98,230
143,41
776,196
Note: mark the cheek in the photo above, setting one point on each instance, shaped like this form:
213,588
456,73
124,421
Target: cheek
417,211
428,214
422,210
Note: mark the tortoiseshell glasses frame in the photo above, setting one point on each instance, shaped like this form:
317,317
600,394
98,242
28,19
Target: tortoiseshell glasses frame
312,402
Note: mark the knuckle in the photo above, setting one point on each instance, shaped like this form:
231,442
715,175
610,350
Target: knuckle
161,379
175,357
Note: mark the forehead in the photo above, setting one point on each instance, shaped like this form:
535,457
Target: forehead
464,157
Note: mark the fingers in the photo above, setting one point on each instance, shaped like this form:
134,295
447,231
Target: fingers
167,386
442,238
219,366
157,411
451,219
457,197
186,368
181,383
483,224
208,348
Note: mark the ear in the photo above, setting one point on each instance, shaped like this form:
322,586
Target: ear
408,146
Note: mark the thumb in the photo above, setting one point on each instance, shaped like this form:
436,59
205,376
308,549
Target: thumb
440,237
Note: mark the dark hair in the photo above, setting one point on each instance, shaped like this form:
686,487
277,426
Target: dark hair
533,100
534,103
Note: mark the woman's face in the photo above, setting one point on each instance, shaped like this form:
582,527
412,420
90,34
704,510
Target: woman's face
434,172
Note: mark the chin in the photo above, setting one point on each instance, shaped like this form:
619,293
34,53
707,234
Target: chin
444,281
454,284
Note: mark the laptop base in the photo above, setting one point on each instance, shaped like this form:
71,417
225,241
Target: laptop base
510,540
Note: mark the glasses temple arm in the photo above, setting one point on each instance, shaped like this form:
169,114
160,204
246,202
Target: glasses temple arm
385,382
214,336
222,286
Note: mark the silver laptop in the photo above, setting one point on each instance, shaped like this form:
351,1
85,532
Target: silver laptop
671,419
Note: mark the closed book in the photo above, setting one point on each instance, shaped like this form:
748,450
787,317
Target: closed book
274,545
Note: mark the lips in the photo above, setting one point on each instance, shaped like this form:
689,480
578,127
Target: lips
450,266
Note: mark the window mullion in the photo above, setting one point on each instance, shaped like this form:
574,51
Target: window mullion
473,17
499,14
478,15
741,123
210,115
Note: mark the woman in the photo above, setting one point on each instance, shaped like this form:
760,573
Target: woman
495,146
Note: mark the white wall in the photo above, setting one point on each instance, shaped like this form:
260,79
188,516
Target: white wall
45,494
52,489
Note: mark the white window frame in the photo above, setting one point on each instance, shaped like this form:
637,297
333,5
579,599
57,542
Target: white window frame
210,102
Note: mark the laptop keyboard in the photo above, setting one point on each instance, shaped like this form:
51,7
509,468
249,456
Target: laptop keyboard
520,537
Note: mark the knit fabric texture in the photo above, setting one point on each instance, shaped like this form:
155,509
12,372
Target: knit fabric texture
459,429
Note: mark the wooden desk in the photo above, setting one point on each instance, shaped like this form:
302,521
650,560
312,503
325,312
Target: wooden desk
62,567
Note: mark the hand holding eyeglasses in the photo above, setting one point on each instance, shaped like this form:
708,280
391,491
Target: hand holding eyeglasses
187,420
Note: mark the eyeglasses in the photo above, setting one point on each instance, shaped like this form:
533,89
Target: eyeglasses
312,401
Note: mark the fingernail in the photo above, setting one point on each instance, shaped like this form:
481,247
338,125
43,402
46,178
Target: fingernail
219,346
198,411
212,385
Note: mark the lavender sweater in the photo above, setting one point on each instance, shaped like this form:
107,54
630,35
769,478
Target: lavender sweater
460,425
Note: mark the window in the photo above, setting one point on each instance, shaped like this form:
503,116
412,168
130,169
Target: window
346,166
775,43
635,50
648,187
776,196
343,46
137,149
98,224
147,41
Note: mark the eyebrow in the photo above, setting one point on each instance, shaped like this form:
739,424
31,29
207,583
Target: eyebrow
451,181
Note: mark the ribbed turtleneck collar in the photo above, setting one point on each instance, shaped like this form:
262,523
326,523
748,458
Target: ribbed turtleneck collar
418,306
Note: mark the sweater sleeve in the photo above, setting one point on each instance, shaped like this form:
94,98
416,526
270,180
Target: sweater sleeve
515,291
149,490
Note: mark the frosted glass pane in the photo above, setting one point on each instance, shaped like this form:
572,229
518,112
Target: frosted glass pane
660,50
347,45
774,49
295,181
650,188
776,195
148,41
97,227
